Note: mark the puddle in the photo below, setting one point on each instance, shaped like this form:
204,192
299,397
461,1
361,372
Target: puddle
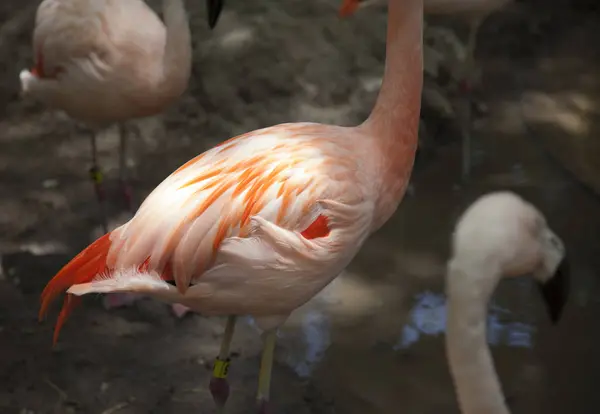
428,317
315,333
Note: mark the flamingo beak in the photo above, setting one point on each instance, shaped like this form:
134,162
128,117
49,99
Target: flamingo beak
213,8
556,291
349,7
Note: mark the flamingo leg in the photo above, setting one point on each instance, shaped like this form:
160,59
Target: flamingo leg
97,181
467,89
123,176
118,300
219,387
266,367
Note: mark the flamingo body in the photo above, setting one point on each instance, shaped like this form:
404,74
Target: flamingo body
108,61
261,223
99,67
257,225
499,236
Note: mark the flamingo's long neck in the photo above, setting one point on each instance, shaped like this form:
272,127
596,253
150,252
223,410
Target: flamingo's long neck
177,59
394,121
471,364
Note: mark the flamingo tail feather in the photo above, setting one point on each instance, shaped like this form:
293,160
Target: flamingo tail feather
82,268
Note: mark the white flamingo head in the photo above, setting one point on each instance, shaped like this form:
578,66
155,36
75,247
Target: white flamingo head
506,233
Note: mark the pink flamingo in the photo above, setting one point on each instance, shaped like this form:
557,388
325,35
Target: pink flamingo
499,236
261,223
94,63
105,62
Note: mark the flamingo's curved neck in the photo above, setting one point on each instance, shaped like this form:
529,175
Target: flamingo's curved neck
177,58
394,121
471,364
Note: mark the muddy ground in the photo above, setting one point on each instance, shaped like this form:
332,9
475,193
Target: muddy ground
372,342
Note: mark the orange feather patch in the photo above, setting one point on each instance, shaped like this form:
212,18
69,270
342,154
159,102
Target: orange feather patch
83,268
38,69
318,228
348,7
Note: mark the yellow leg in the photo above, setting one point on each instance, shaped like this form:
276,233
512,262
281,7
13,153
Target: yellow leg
227,337
266,366
219,387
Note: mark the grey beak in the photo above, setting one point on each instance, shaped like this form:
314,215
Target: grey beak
213,8
556,291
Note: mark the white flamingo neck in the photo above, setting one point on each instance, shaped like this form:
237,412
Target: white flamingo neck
471,365
177,59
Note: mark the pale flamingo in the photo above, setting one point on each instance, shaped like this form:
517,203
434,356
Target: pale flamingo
107,61
499,236
261,223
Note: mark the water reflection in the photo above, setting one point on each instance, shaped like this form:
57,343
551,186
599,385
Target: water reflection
306,344
315,328
428,317
307,341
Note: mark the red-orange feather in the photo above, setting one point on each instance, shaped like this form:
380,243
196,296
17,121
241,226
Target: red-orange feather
91,261
348,7
83,268
318,228
38,69
247,179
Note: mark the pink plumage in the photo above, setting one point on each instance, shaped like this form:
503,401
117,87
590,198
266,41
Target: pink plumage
108,61
261,223
105,61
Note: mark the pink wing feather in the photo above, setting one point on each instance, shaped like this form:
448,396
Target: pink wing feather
277,173
67,30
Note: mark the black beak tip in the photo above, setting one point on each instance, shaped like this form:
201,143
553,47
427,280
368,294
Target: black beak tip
556,291
214,8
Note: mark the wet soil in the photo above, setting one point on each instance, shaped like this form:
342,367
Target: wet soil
372,342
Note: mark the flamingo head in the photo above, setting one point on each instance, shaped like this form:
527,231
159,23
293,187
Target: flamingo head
506,233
